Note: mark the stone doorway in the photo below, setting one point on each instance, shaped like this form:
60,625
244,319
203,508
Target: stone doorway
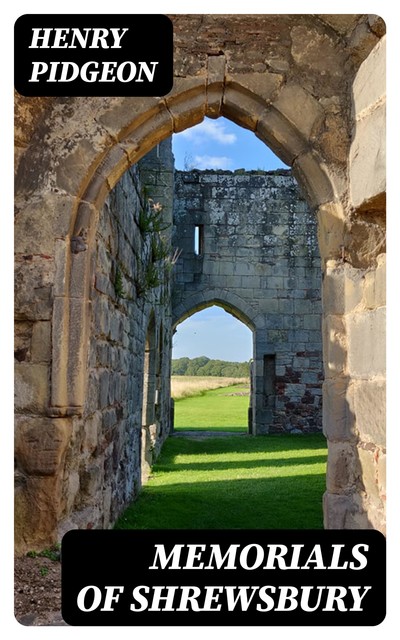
314,112
225,339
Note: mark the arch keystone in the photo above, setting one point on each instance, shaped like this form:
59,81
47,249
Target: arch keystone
215,85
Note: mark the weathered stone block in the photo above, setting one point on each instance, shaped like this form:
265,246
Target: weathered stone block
91,432
34,276
36,513
369,85
313,177
41,221
241,106
369,474
41,444
370,410
90,481
338,410
362,42
264,85
336,509
215,84
366,343
122,115
187,106
73,486
301,109
382,475
31,387
342,469
344,512
41,342
368,158
342,288
375,285
334,345
104,384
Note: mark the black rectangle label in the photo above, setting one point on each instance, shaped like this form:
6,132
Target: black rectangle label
93,55
223,577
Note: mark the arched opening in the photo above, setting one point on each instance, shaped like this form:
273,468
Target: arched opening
220,144
69,374
210,381
92,143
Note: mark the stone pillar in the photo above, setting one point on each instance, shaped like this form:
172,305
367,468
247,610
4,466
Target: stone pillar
354,317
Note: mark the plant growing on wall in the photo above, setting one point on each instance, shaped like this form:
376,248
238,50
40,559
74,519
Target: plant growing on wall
151,218
118,284
159,248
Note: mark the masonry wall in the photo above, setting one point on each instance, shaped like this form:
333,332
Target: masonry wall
355,319
259,260
126,415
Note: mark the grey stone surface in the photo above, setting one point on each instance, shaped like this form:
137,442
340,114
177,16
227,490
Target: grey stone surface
260,261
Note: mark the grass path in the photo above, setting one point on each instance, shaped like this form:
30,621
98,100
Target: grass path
218,409
250,482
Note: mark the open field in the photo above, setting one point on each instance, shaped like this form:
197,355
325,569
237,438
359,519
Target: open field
223,409
250,482
187,386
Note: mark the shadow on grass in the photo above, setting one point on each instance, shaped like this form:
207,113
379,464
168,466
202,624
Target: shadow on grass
265,503
270,499
236,429
245,444
240,464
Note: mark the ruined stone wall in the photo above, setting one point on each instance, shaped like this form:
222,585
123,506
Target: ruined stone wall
309,86
259,260
112,444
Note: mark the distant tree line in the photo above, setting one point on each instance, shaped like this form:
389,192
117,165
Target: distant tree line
204,366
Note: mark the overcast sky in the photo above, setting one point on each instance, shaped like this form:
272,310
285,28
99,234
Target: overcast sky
218,144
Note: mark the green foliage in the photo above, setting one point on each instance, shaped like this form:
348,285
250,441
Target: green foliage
204,366
159,248
44,571
118,284
179,366
151,218
236,482
52,553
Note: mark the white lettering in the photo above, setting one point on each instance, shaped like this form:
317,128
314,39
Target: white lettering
96,598
161,556
111,597
140,598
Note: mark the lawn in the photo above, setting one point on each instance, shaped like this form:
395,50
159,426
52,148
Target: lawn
238,482
223,409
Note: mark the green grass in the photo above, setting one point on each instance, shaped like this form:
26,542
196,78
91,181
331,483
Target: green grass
234,482
214,410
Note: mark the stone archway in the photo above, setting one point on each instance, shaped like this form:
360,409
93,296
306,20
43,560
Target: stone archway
183,108
78,150
239,309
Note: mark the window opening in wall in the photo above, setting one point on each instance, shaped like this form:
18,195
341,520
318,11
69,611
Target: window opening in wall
198,239
269,379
